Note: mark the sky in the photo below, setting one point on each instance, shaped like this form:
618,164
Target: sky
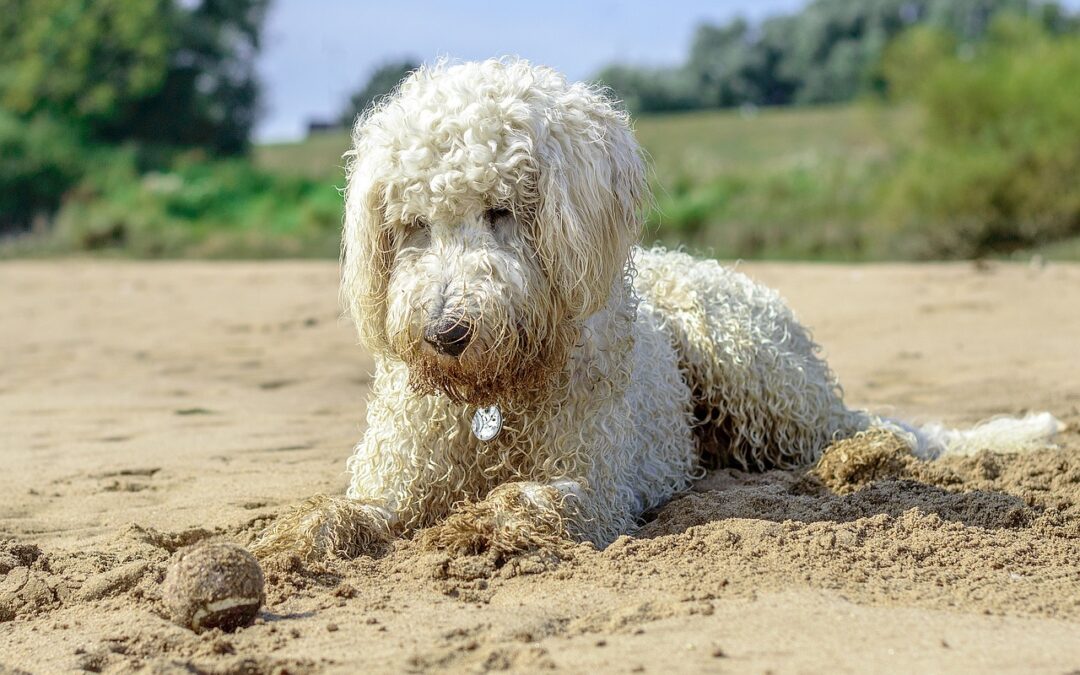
317,52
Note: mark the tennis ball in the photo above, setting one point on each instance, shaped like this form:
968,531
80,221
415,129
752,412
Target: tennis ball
213,585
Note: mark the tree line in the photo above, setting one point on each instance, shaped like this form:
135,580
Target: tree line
829,52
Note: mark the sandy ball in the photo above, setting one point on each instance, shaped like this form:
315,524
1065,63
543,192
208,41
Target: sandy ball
213,585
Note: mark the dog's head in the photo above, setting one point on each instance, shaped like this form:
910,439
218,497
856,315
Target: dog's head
490,210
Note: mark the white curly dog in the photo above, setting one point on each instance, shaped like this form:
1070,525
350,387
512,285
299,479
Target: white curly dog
539,377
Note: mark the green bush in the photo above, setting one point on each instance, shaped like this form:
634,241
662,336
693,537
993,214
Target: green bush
199,208
997,170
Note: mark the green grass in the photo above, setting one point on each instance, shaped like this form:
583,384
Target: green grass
782,183
706,144
198,209
711,144
318,157
778,184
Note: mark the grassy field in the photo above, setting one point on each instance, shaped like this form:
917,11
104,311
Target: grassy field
809,184
764,183
319,156
786,183
705,144
714,143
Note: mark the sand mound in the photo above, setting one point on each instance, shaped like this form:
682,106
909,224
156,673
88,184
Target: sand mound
991,534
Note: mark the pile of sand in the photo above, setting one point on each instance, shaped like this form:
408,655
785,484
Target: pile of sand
989,535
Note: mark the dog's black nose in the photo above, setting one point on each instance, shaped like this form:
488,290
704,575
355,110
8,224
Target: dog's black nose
449,336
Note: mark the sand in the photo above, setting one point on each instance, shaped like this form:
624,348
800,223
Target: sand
148,406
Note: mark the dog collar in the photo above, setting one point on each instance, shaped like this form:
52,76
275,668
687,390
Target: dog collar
487,423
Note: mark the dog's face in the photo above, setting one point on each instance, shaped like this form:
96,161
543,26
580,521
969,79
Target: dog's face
468,304
490,209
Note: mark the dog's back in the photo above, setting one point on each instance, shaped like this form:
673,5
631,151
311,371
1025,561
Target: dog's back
762,396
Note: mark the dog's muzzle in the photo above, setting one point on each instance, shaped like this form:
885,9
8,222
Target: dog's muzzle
449,336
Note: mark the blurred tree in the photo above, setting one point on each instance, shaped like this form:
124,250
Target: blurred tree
81,60
210,94
831,51
382,81
159,72
910,58
739,63
835,43
650,90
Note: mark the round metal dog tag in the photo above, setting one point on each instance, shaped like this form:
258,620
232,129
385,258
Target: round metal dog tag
487,423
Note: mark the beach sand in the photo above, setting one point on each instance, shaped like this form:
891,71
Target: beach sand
144,406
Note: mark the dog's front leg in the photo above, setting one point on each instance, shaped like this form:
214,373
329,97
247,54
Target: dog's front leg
514,517
327,526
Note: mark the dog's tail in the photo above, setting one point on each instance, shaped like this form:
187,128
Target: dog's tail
1000,434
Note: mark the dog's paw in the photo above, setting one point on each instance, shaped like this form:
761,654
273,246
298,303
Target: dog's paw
514,518
323,527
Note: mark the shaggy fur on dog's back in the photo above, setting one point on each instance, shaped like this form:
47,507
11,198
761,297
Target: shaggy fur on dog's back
762,396
491,215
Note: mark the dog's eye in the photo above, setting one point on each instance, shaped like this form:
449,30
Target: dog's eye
496,214
419,224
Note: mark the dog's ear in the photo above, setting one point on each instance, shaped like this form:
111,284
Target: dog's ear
591,186
367,253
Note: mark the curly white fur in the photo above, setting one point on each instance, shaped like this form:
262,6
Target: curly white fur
499,196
